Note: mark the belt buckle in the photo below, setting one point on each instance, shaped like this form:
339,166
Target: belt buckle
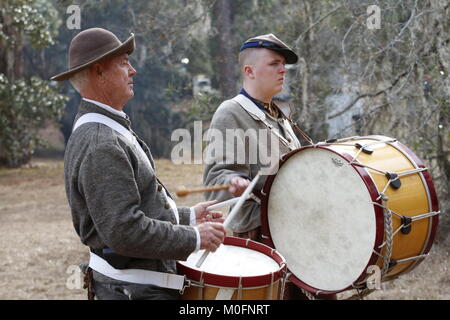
187,283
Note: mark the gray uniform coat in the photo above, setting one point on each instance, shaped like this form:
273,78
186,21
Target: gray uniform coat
117,201
221,167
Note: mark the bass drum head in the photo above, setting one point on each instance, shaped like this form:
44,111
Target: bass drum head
321,219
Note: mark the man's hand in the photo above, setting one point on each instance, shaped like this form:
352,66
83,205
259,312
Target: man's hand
210,227
204,215
238,186
212,234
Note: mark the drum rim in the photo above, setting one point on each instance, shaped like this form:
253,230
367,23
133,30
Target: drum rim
431,191
431,194
236,281
433,202
378,211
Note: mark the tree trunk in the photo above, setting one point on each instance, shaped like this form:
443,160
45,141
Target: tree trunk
11,55
225,57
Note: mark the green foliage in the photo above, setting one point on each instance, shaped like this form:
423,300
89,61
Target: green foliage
25,106
27,16
203,107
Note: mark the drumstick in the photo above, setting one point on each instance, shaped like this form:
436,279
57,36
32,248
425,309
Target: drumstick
185,192
223,204
233,212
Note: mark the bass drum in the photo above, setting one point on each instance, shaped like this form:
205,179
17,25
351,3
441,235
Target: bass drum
337,211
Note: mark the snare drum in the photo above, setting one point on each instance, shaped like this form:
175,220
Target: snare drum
340,211
240,269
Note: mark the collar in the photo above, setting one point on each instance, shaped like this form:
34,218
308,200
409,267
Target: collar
250,106
271,108
107,108
256,102
89,107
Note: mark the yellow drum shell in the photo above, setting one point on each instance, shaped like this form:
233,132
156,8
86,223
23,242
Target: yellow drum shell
206,292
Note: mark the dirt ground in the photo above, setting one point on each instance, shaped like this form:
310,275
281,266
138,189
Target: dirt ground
40,249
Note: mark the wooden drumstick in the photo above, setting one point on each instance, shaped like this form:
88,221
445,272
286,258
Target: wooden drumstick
223,204
185,192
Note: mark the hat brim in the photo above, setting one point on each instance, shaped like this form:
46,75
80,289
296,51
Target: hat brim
126,47
290,56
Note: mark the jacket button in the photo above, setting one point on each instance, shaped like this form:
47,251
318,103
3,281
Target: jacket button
159,187
167,205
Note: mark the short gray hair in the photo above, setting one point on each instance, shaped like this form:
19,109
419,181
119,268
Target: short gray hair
245,55
80,79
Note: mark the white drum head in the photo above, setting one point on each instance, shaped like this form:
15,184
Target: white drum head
229,260
321,219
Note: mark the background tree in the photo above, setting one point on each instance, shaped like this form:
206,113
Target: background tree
391,81
26,102
223,51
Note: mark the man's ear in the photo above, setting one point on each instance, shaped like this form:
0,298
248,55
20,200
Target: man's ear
97,70
248,71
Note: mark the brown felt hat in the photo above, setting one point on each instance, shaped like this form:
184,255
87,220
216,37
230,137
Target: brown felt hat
271,42
91,46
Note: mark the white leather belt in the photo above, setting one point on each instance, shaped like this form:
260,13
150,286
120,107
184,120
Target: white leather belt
160,279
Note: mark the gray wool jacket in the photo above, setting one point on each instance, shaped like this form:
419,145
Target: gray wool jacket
116,200
221,165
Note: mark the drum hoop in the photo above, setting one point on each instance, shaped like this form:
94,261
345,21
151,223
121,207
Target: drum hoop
433,203
305,286
378,211
224,281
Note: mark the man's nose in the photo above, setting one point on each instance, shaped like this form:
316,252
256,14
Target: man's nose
133,71
283,69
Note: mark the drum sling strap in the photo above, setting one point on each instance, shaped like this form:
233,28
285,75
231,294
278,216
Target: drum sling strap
97,261
291,142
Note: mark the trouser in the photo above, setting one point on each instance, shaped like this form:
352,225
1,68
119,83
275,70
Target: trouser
131,291
104,288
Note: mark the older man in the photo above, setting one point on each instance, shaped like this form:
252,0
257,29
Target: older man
120,209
